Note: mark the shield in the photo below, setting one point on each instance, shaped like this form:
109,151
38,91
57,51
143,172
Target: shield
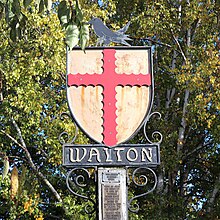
110,91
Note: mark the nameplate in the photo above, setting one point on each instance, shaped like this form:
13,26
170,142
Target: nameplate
121,155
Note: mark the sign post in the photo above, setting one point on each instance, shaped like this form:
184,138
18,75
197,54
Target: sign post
110,96
112,194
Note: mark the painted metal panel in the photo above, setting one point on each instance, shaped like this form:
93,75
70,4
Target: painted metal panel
121,155
110,91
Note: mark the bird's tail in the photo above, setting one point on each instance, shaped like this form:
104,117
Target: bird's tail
123,39
126,37
123,36
124,29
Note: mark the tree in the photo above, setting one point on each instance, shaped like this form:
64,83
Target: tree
33,90
184,36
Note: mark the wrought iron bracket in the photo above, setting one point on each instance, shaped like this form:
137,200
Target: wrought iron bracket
142,178
156,135
81,182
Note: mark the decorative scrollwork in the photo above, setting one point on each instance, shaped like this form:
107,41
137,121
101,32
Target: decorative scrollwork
156,134
143,177
64,137
79,180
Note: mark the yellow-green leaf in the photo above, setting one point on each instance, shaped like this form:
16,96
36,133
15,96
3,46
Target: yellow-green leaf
14,182
72,35
26,3
22,179
84,36
79,14
41,6
16,8
6,167
63,12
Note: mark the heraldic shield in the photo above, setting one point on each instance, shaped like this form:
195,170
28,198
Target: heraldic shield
110,91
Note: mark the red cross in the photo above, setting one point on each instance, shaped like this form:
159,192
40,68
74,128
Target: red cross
109,79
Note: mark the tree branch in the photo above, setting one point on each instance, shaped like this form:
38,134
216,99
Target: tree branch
195,150
183,123
1,85
155,42
179,46
211,200
13,139
30,161
170,92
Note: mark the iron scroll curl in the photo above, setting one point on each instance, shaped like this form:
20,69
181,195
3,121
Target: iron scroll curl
142,180
65,137
78,179
156,134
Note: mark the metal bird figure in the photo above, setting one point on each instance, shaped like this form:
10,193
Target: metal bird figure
106,36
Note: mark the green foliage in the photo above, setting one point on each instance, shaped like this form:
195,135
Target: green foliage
84,36
72,33
63,13
72,20
24,206
5,167
185,41
16,14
